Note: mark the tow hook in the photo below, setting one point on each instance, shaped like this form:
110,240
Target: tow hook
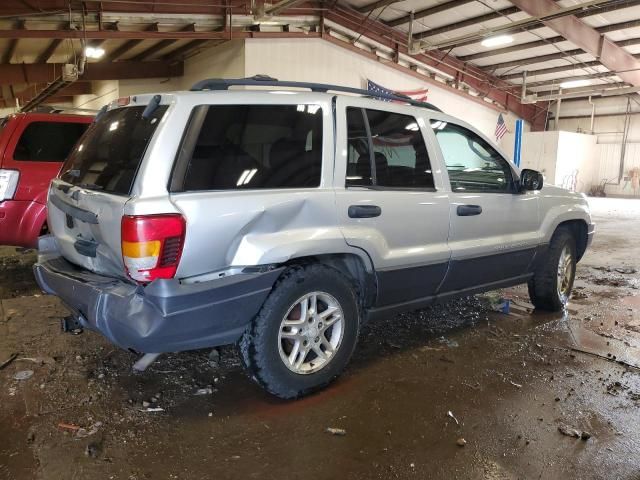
71,324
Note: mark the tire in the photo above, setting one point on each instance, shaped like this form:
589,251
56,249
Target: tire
544,290
268,347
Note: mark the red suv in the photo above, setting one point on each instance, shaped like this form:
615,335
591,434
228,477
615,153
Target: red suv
32,149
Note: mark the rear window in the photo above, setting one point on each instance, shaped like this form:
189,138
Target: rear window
231,147
48,141
108,156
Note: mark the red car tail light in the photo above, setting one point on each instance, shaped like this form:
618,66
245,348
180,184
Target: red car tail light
152,245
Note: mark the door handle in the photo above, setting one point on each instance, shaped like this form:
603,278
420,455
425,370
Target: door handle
364,211
468,210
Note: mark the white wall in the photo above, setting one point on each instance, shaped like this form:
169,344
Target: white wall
540,152
316,60
223,61
565,159
608,131
577,157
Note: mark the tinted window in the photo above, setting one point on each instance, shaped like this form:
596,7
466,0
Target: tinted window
358,160
48,141
253,146
400,153
472,163
109,155
400,156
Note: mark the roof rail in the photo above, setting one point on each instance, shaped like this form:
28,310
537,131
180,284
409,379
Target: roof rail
267,81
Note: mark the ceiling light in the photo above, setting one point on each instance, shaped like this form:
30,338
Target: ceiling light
496,41
94,52
575,83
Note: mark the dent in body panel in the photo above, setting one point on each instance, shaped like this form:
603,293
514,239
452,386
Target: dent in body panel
225,229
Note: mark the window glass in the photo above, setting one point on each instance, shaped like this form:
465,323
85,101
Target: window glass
472,163
110,153
48,141
400,154
358,160
256,146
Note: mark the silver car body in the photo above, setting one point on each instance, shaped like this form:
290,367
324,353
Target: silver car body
418,237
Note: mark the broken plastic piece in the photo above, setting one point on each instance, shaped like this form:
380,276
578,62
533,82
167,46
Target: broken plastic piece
144,361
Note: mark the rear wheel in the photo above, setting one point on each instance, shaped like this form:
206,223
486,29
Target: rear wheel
305,333
551,285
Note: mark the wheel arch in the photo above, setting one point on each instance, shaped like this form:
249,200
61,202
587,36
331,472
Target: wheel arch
359,270
579,230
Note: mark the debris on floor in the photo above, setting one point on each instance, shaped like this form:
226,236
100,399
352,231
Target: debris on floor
23,375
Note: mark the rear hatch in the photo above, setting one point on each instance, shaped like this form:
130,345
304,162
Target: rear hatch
86,203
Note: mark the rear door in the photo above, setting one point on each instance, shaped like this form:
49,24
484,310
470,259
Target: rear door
389,197
86,203
493,225
38,147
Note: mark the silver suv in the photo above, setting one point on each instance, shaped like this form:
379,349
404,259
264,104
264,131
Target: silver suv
283,219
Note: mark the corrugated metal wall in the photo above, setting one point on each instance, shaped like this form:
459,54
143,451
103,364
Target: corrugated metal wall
609,154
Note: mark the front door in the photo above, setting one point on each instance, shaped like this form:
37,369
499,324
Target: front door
389,199
493,225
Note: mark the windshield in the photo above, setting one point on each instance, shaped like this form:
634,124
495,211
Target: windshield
107,157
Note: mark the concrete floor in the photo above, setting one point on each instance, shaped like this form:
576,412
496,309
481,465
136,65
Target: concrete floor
511,380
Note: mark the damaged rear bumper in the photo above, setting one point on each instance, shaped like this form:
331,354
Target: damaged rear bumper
164,316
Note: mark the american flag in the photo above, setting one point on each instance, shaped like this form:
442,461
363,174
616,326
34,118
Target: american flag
501,128
419,95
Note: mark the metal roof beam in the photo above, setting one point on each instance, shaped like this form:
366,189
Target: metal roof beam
547,41
556,56
51,48
527,23
12,74
465,23
180,52
161,45
547,71
613,6
128,45
375,5
11,49
611,55
427,12
557,81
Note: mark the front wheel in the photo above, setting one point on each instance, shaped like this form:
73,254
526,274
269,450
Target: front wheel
305,332
550,288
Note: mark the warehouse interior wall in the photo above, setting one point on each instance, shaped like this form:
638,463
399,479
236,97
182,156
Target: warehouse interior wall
316,60
608,131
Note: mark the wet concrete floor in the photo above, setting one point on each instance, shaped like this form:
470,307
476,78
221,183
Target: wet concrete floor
509,384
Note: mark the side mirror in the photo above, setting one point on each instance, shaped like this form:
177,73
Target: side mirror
530,180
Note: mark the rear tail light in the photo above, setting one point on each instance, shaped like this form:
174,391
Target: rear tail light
152,245
8,183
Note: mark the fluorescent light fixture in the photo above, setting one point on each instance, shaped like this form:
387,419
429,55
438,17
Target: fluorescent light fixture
94,52
496,41
575,83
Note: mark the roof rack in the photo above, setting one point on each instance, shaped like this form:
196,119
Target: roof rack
267,81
